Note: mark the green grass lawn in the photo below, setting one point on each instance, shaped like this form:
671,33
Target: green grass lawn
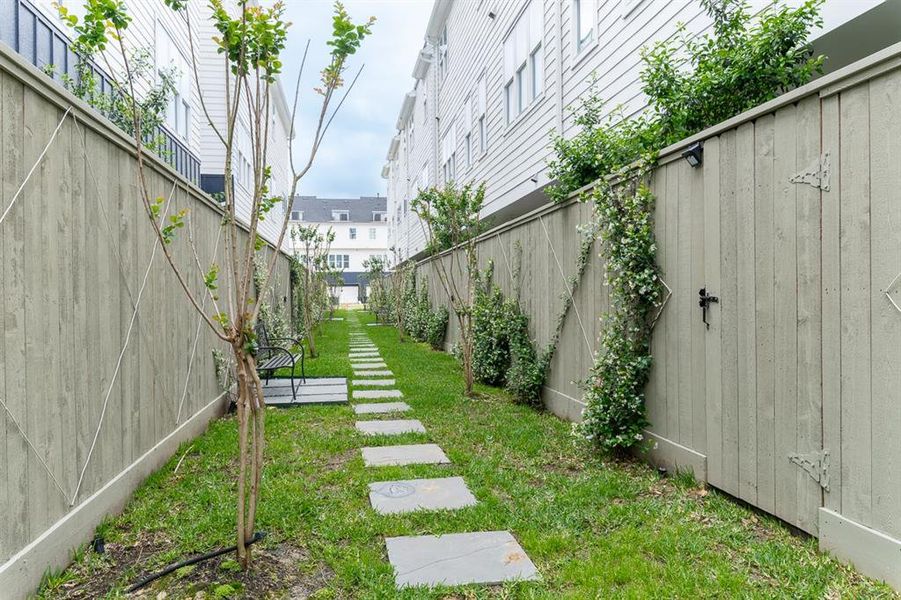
594,527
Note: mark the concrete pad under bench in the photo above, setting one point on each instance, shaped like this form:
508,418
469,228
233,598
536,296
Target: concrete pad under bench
413,454
323,390
391,497
390,427
375,394
488,557
381,408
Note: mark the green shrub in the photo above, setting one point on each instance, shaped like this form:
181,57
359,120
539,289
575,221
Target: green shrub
436,328
491,343
528,371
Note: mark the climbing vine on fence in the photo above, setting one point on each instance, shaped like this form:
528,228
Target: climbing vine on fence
614,414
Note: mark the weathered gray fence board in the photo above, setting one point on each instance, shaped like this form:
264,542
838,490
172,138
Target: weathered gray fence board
885,150
785,318
13,239
855,304
728,314
763,292
713,389
5,422
809,309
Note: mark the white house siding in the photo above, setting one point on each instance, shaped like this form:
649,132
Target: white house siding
514,169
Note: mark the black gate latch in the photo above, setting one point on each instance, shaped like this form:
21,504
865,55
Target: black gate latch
705,302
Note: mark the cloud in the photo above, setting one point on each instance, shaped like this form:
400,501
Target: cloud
350,160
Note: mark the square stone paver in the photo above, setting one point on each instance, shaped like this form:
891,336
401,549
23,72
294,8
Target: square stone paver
381,408
488,557
391,497
373,382
375,394
368,365
413,454
390,427
373,373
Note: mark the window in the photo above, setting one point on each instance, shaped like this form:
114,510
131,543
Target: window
481,101
297,215
353,233
585,13
372,233
340,215
378,215
537,74
171,62
524,61
467,146
442,54
449,153
339,261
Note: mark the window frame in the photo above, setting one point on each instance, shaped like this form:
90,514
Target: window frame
584,42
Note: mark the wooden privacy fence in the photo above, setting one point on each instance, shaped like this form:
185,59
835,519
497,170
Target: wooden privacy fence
791,400
104,364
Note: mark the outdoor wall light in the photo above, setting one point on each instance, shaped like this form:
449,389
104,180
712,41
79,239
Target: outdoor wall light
695,154
491,14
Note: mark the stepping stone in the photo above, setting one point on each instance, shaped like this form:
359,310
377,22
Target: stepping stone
373,373
363,354
374,394
372,382
414,454
373,324
381,408
369,365
488,557
391,497
336,319
390,427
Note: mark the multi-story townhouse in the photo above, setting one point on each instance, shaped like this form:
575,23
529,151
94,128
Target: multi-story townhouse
360,226
163,35
496,78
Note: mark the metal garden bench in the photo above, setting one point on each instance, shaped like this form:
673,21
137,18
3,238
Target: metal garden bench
271,357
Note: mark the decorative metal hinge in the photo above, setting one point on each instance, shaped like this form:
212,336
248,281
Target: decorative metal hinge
816,464
816,174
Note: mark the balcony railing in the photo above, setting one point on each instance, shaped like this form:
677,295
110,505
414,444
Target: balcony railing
27,31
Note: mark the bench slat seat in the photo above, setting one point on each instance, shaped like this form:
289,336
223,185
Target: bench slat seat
275,353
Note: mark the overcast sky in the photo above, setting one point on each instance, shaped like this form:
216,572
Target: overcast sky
350,161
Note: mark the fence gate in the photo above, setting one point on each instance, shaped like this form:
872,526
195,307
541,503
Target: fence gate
762,282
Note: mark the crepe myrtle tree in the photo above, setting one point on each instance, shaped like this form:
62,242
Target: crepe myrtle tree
250,40
450,218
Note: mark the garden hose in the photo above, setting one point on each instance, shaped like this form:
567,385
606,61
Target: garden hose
192,561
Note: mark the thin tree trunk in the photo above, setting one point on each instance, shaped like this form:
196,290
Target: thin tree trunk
243,421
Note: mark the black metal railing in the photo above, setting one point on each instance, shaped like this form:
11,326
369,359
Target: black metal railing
37,39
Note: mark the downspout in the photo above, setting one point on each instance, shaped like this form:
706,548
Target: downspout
436,122
559,68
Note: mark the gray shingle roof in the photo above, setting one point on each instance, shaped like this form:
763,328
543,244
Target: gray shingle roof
319,210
